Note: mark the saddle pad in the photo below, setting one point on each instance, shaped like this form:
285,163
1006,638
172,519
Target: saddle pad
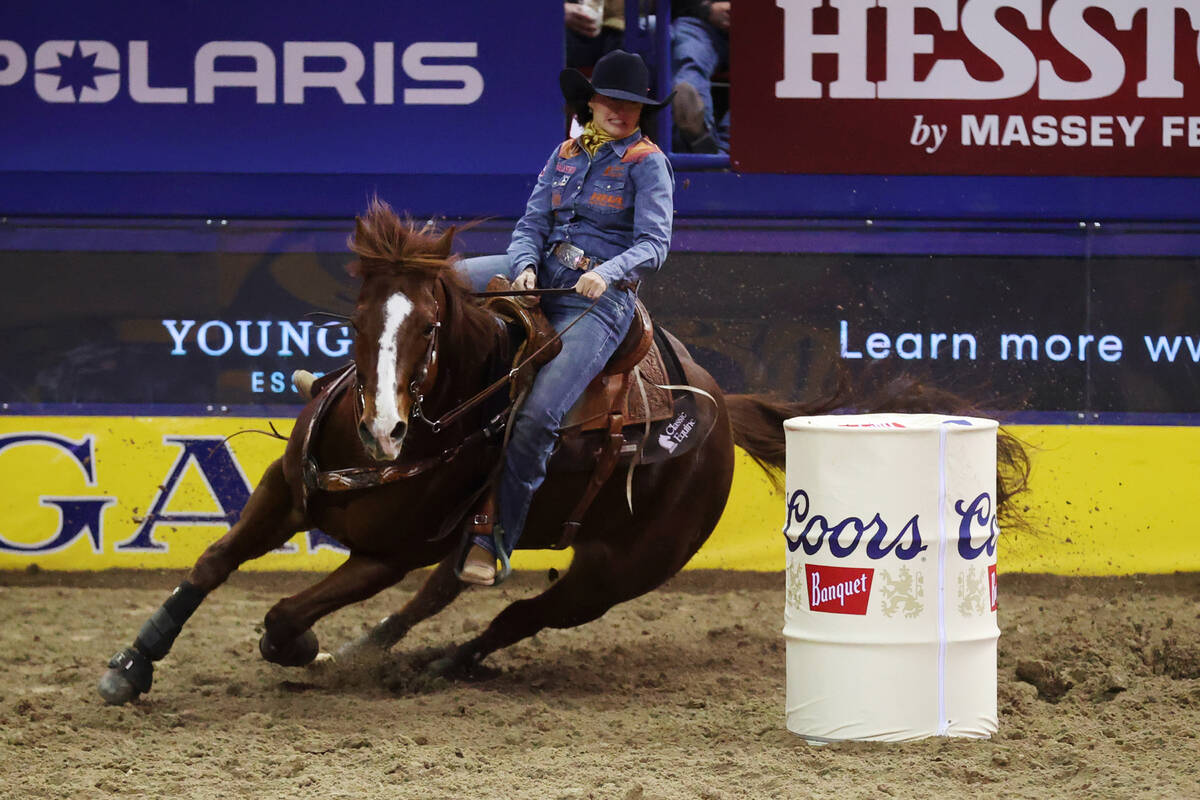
688,423
654,374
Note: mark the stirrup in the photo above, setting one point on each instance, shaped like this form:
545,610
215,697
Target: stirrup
505,567
303,380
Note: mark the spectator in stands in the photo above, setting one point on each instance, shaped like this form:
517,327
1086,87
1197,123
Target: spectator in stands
699,48
594,28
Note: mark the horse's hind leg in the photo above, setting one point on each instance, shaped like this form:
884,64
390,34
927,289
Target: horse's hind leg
439,590
584,593
267,521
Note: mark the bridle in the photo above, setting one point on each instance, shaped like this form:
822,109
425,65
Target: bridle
417,388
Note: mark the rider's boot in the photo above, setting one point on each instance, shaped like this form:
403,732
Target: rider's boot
479,567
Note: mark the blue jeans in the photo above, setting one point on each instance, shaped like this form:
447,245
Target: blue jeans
479,270
586,347
697,51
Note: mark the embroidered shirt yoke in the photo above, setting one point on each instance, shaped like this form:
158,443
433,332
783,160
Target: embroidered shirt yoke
616,206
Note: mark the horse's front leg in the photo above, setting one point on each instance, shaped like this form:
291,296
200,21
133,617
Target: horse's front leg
288,639
439,590
267,522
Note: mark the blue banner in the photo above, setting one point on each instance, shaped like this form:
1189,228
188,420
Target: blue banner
278,87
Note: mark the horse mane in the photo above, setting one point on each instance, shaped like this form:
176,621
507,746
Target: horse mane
387,243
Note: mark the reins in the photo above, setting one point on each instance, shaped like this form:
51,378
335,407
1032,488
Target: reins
437,425
522,292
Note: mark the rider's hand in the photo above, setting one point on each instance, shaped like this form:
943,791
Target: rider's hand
525,281
581,20
591,285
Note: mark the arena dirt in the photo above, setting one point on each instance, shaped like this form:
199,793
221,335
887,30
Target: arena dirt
675,695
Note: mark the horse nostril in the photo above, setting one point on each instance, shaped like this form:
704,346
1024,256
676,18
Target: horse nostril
399,431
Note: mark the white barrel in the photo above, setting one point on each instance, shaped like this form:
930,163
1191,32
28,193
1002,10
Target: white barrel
890,618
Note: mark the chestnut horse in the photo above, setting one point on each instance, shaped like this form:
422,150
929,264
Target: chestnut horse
424,345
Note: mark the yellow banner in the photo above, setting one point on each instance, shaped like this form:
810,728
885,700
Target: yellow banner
87,493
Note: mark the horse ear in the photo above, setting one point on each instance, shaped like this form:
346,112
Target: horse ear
442,248
353,268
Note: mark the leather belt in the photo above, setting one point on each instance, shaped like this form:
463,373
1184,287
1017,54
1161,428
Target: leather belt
573,257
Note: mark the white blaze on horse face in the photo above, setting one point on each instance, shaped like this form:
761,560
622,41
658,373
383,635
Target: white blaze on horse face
387,415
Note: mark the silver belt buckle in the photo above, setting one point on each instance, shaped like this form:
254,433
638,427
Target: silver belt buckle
568,255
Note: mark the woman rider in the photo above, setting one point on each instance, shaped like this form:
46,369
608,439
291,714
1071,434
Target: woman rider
598,221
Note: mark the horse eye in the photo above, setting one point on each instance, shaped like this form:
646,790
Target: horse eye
430,329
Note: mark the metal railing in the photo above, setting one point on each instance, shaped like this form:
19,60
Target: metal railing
648,33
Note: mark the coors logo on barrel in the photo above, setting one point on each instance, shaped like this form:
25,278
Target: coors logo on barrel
976,520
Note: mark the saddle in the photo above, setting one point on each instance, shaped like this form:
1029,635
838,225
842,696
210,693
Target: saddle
611,420
612,391
529,333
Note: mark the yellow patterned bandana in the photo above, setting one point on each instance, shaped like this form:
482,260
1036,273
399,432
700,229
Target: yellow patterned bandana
593,137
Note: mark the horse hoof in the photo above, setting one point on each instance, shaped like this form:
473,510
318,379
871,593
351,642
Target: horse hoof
359,651
456,667
441,668
116,689
129,674
299,652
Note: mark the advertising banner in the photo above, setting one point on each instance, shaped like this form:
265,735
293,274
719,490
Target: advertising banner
276,87
147,329
1053,334
966,87
125,371
152,492
135,492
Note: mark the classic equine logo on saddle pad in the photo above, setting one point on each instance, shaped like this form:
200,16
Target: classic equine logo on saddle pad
677,431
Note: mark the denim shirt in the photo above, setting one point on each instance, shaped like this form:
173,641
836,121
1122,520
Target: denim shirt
616,206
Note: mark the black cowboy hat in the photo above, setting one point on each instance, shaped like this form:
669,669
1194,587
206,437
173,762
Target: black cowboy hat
618,74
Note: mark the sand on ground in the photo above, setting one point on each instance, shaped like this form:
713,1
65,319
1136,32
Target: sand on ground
678,694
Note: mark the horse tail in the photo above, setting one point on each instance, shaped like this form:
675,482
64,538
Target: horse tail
757,422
